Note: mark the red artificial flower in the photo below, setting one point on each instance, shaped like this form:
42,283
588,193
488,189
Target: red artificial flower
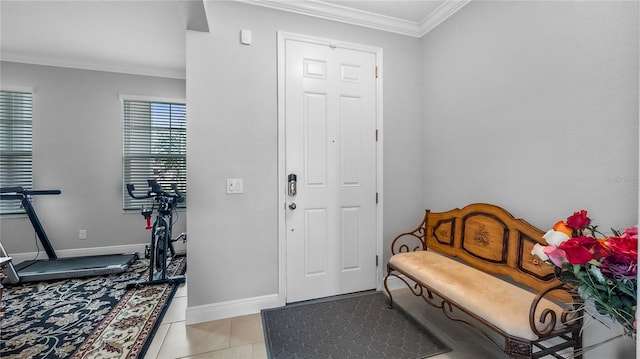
580,250
626,244
631,232
578,220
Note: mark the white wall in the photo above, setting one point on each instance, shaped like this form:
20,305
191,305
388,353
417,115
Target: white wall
77,148
232,96
534,106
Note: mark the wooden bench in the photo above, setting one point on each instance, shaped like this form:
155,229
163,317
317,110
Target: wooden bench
478,259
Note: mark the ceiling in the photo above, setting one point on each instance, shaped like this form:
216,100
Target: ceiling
147,36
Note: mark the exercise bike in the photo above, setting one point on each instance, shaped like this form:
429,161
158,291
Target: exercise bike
160,251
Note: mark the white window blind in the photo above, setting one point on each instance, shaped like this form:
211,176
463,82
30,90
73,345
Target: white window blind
15,145
155,147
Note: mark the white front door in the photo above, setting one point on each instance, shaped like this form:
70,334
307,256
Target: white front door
330,141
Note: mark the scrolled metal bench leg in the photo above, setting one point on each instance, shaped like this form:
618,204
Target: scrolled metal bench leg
386,288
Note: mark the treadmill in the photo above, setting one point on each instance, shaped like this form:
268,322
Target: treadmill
55,268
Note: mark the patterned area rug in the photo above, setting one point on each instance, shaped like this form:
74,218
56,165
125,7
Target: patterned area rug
93,317
353,326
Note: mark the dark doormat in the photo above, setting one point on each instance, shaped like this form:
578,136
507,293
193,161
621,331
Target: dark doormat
351,326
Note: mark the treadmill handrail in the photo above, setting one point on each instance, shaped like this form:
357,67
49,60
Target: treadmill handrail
15,189
19,190
24,195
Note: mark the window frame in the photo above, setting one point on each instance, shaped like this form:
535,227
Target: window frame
9,155
129,204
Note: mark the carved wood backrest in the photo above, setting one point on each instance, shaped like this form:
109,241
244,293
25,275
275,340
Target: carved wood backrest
490,239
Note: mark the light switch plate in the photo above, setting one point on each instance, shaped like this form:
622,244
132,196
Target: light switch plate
245,37
234,185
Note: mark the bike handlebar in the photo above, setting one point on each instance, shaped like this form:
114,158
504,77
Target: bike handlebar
131,188
156,191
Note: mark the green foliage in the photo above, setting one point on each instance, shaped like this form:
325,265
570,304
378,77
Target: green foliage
614,298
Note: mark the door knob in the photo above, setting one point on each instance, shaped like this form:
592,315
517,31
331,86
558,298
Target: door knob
292,205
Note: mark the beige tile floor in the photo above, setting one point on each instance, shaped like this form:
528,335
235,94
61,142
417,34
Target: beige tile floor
243,338
231,338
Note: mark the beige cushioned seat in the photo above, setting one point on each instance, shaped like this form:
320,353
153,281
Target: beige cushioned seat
496,301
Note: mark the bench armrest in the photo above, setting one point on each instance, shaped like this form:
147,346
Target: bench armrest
410,241
548,323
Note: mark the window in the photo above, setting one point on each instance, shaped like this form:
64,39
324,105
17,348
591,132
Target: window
155,147
15,145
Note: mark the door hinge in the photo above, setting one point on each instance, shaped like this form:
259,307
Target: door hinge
376,260
376,135
376,71
376,197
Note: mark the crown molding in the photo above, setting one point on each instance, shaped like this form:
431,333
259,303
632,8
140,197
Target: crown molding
442,13
330,11
343,14
106,66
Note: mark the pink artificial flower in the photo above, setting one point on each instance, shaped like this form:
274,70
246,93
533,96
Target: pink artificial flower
556,255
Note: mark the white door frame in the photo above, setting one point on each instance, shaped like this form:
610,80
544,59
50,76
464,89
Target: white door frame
282,180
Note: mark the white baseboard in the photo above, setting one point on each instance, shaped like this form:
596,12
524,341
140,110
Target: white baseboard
232,308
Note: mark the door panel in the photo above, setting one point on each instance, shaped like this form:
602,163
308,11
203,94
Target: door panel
315,240
350,121
350,238
330,122
315,136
